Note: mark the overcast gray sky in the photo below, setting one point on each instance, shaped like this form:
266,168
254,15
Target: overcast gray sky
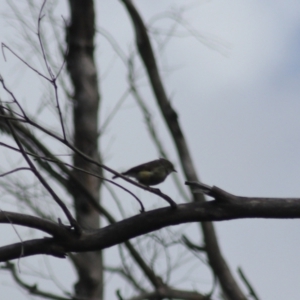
236,88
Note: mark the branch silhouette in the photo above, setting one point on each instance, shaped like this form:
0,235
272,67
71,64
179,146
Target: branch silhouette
64,241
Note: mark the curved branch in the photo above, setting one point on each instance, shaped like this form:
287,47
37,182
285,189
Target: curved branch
46,246
56,230
120,232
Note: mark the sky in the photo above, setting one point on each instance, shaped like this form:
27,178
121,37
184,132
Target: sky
232,72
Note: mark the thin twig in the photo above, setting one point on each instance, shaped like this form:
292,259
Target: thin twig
248,284
3,45
32,289
95,175
15,170
53,78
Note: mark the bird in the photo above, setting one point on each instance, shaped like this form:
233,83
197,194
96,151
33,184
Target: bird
150,173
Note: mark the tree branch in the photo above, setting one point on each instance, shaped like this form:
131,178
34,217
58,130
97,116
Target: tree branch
93,240
54,229
169,293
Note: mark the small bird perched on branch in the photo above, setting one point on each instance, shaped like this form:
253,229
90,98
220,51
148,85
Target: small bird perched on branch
150,173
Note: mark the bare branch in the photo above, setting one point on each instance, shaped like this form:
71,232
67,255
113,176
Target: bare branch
14,170
32,289
249,286
53,78
98,239
54,229
169,293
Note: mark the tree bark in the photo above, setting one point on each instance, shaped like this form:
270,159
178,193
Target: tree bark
83,73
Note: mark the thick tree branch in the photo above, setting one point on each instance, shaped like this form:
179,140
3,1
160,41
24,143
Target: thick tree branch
93,240
54,229
169,293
